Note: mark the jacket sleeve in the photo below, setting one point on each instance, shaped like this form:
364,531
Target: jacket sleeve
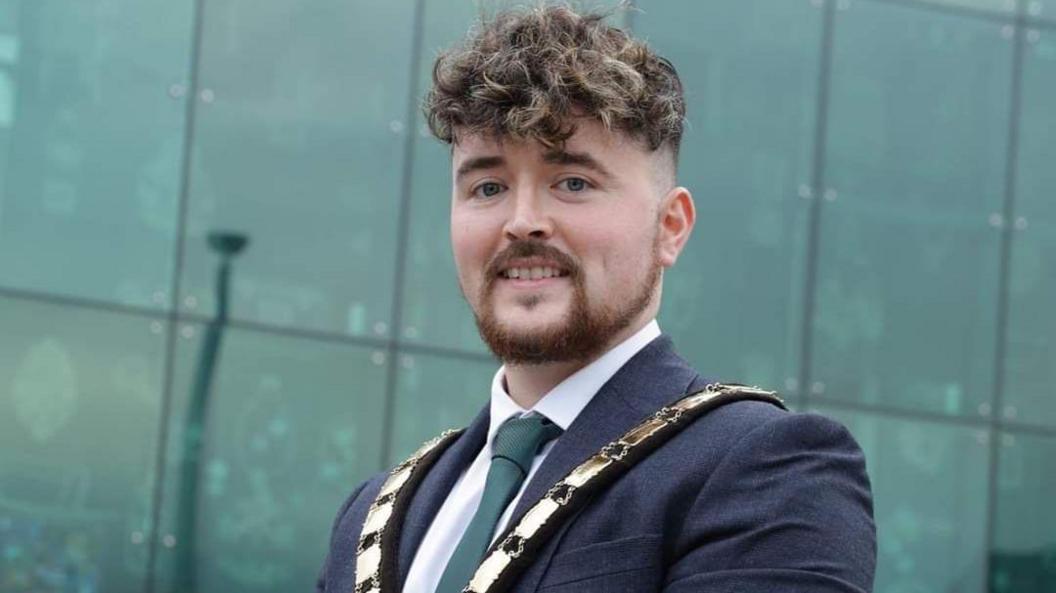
320,583
788,509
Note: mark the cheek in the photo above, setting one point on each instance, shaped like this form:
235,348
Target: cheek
470,244
606,257
464,235
629,257
627,242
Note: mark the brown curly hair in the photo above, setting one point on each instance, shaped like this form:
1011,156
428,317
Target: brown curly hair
528,73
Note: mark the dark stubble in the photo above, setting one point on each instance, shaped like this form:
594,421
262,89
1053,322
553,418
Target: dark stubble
584,333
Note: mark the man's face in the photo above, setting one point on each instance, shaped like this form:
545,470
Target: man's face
558,253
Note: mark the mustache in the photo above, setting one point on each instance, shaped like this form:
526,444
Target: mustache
530,248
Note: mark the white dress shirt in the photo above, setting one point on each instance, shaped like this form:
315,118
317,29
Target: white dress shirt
561,405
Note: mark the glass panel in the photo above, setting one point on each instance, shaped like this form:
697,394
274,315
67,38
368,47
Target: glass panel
81,393
931,538
91,137
293,425
998,6
1030,373
435,393
733,301
303,153
1044,9
908,263
1024,560
434,310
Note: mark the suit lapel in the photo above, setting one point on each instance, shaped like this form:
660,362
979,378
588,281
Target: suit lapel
655,376
435,488
652,378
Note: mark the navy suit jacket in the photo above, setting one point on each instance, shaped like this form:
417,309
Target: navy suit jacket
748,498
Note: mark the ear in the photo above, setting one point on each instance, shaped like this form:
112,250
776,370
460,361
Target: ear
676,218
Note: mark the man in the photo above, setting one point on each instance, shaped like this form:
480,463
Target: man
597,465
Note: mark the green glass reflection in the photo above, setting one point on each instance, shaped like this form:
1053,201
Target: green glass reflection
436,393
1024,558
434,310
81,393
91,137
908,262
304,154
1029,371
929,496
292,426
1004,7
1041,9
733,302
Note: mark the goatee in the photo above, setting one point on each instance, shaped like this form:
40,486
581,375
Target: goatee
584,332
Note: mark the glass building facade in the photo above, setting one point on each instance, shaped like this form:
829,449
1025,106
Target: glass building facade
876,195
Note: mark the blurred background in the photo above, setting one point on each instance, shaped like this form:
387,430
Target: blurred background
227,294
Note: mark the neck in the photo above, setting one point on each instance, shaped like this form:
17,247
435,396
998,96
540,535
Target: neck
528,383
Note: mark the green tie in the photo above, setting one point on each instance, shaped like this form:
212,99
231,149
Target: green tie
515,445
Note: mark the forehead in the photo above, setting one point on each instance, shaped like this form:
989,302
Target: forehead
590,137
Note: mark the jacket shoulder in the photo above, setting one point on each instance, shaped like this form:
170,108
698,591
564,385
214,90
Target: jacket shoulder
788,491
344,536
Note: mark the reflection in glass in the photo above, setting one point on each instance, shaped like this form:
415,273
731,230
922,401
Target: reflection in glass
929,495
91,136
908,260
80,394
195,427
1004,7
1024,558
434,394
1029,369
294,425
306,155
733,302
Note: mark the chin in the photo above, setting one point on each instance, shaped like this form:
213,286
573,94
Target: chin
526,329
534,321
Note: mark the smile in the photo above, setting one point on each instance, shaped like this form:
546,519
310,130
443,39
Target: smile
533,273
532,268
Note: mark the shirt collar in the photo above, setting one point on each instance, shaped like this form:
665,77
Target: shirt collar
568,398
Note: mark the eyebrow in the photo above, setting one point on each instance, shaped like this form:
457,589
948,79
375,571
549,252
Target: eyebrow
561,157
478,163
555,157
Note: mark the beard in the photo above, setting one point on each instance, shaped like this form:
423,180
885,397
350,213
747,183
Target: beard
583,333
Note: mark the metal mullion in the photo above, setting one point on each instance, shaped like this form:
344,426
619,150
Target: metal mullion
1004,279
817,182
177,273
402,237
76,302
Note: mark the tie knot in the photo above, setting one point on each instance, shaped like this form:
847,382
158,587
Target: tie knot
519,439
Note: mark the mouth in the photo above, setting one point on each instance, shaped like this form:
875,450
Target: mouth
528,270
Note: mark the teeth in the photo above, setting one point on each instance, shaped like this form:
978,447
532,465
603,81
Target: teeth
536,273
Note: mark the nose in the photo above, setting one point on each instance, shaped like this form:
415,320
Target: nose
529,219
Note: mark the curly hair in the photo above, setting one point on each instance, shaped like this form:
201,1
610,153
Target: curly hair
527,74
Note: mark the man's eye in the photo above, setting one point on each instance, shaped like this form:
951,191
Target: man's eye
488,189
574,184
